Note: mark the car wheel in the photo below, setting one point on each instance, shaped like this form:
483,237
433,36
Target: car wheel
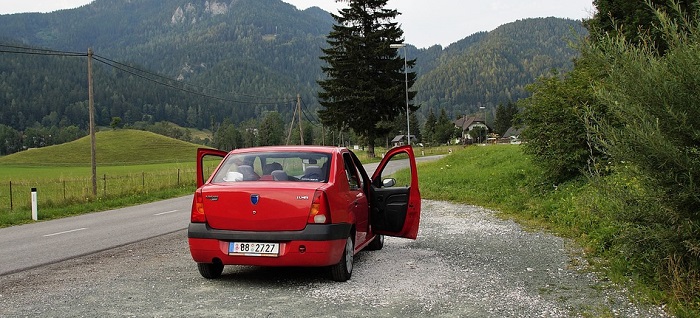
343,270
210,270
377,243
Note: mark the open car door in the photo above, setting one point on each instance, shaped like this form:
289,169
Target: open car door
395,198
205,166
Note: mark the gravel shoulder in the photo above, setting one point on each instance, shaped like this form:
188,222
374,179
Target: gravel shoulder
465,263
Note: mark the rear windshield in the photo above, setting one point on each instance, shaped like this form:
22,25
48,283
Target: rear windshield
274,166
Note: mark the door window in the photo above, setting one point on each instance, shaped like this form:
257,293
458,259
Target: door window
354,180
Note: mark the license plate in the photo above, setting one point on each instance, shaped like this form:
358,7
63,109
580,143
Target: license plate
254,249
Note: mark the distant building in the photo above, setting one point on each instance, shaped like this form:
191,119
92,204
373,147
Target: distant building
467,124
512,135
401,140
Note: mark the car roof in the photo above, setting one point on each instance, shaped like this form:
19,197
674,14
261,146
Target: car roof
294,148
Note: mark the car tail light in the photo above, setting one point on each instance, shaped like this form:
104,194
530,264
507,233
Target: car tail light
198,208
319,213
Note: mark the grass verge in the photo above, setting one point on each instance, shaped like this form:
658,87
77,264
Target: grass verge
65,209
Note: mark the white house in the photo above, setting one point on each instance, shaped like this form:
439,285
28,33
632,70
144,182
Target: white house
467,124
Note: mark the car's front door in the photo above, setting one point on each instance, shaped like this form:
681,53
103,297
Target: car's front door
207,166
395,205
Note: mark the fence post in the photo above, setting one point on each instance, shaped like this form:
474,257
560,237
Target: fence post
11,205
35,215
105,185
143,179
178,177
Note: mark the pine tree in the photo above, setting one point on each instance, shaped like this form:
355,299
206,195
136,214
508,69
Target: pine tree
271,131
415,127
504,117
429,129
365,83
445,129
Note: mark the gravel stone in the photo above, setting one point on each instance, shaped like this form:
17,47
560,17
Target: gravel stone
465,263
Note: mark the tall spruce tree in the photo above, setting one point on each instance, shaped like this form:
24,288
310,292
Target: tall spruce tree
504,117
365,83
430,127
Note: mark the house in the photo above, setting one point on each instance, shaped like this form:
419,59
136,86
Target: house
401,140
512,135
467,124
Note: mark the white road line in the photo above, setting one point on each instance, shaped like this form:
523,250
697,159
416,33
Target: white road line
164,213
65,232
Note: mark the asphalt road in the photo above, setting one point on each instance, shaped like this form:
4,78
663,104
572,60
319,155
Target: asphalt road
31,245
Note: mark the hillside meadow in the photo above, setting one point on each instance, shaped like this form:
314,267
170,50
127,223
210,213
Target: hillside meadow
113,147
132,167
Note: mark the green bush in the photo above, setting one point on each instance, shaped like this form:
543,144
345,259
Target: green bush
629,117
654,100
555,118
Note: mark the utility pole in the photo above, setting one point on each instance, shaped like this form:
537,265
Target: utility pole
297,109
291,126
91,102
301,130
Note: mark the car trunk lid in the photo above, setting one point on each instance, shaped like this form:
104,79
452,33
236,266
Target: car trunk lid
259,206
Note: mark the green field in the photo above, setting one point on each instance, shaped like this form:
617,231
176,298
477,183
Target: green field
132,167
114,147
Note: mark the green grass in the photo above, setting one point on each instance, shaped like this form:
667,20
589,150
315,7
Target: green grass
132,167
114,147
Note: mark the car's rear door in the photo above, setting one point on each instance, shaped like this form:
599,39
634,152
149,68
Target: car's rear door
395,210
206,165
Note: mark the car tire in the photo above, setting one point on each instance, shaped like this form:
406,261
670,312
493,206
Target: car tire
210,270
343,270
377,243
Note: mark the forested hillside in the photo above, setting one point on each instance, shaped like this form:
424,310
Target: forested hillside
235,60
493,68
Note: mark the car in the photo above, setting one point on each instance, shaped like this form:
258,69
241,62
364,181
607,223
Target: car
298,206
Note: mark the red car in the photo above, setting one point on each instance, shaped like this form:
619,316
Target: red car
298,206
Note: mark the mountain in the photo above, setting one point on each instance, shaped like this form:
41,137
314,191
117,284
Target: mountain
491,68
235,59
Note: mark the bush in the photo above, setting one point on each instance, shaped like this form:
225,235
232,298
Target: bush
653,131
555,121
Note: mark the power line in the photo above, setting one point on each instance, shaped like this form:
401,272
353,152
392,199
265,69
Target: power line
113,62
38,51
131,71
303,109
146,75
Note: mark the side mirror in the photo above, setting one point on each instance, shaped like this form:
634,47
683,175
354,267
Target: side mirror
388,182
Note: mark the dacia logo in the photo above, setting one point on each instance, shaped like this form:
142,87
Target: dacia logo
254,199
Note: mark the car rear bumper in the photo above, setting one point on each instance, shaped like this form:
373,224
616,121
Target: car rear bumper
317,245
312,232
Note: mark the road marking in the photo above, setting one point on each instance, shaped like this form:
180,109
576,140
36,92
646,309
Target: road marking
164,213
65,232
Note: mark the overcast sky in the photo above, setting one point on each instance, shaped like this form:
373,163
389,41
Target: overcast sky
425,22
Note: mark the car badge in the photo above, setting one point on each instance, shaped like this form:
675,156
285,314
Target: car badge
254,199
